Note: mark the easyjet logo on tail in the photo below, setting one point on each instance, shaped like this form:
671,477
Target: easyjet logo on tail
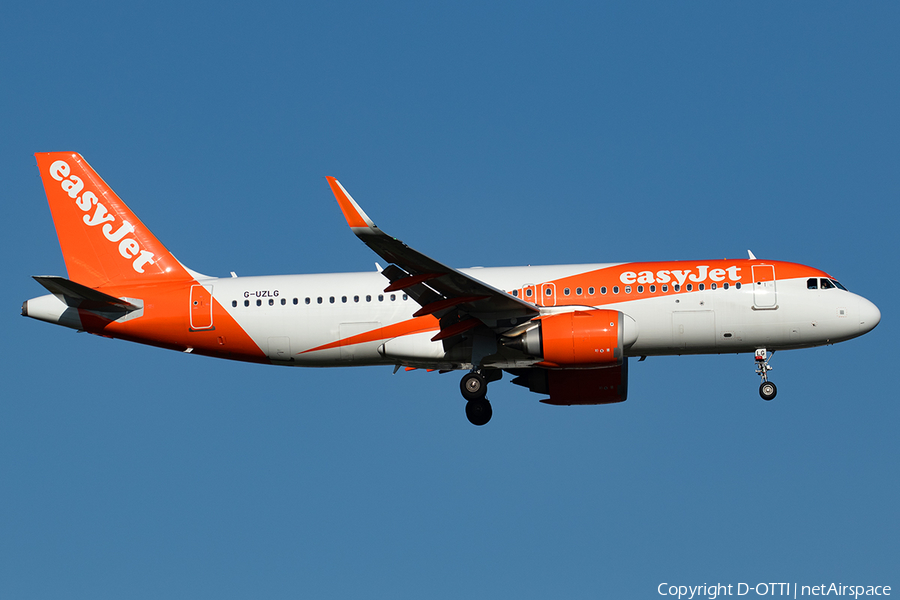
129,248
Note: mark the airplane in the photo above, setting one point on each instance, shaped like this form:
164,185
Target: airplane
564,331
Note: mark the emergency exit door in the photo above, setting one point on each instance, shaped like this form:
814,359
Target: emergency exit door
201,307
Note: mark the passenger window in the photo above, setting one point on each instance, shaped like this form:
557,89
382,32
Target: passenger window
737,286
405,297
701,286
234,303
640,289
307,300
297,301
381,297
356,298
665,288
566,292
331,299
548,292
826,284
690,287
516,293
283,301
652,288
246,303
713,286
676,287
615,289
603,290
528,293
590,291
259,302
393,297
812,283
368,298
578,291
344,299
725,286
627,289
319,299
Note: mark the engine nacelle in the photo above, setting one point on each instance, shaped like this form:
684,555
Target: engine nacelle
578,338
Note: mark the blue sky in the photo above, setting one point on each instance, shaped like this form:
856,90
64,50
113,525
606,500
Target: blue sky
480,133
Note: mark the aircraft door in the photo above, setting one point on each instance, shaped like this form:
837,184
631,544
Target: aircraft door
764,286
694,330
201,318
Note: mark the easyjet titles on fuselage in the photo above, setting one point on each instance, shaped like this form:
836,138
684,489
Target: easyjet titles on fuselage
129,248
681,275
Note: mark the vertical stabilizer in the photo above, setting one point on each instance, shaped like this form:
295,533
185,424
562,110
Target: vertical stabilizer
102,241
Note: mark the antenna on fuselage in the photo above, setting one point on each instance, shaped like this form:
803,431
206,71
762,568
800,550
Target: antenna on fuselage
751,255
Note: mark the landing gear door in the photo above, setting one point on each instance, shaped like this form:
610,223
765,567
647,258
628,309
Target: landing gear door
764,286
201,307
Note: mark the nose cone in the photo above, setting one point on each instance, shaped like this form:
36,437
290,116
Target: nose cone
869,316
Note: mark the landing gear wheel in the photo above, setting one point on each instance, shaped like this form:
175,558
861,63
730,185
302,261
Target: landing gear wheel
478,411
473,387
767,389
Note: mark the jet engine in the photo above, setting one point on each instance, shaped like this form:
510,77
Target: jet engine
579,338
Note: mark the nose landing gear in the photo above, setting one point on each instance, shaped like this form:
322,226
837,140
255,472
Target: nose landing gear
767,389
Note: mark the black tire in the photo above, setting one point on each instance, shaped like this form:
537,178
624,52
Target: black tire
767,390
478,412
473,387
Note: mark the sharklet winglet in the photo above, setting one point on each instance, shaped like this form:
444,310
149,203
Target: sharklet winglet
355,215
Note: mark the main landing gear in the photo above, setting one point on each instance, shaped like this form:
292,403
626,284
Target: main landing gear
474,389
479,412
767,389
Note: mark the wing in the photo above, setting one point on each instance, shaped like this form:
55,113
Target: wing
440,290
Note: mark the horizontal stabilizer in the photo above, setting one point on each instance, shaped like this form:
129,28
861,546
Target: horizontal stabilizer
80,296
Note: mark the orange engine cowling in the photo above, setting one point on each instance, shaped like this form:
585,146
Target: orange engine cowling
578,338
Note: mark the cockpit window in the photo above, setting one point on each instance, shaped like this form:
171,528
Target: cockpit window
838,284
826,284
812,284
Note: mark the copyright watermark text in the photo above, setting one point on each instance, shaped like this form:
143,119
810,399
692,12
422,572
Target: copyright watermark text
792,590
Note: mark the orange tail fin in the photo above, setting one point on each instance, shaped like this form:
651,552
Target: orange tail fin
102,241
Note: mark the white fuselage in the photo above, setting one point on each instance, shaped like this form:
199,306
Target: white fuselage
310,311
